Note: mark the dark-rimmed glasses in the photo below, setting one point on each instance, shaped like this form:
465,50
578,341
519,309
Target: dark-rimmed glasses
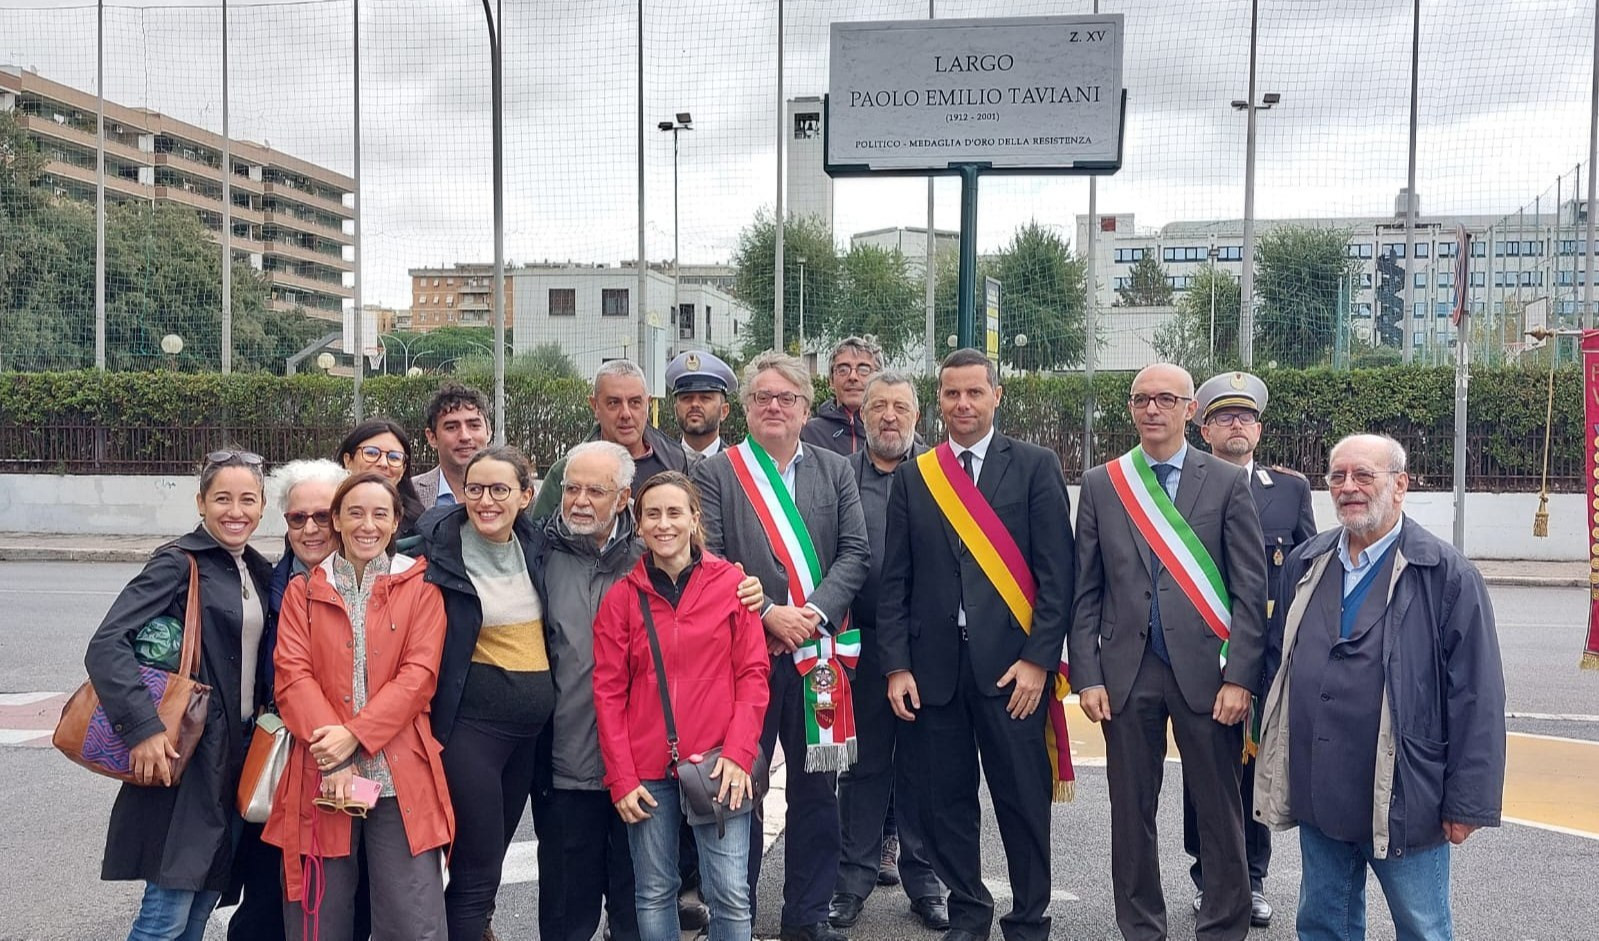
373,454
1166,401
1232,418
498,492
298,518
764,398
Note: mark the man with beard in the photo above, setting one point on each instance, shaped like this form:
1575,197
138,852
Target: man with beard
700,384
837,425
584,550
1169,627
1230,406
621,404
1384,731
890,410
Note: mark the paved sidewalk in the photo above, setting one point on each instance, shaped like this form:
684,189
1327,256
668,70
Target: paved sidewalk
50,547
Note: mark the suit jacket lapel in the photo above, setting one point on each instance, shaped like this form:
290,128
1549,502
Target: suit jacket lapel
1191,481
1263,494
995,464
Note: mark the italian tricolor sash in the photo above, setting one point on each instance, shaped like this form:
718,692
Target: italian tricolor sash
1175,543
996,553
829,712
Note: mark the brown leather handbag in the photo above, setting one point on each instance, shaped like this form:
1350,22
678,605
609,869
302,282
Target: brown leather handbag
86,735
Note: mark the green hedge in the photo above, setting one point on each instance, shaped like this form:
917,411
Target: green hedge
163,421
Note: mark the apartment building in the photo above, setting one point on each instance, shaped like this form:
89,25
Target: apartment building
459,295
289,216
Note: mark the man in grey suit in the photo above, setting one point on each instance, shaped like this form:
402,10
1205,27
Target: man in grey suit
820,487
1147,645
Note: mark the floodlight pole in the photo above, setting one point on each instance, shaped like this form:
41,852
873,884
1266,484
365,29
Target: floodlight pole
496,20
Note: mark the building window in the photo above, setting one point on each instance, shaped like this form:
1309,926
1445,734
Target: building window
1126,256
1446,279
685,322
449,300
1394,249
1420,279
1186,253
807,125
1359,249
1479,278
1120,283
1365,280
1230,253
563,302
1422,249
1479,248
613,302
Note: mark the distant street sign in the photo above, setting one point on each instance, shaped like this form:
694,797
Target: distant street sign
1035,94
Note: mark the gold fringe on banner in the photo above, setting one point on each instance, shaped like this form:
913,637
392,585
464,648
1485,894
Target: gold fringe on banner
1590,660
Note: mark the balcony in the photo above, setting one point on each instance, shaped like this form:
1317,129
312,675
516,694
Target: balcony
84,139
86,177
204,203
293,194
300,253
286,221
289,279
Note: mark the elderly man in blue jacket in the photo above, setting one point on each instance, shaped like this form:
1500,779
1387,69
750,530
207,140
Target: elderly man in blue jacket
1384,731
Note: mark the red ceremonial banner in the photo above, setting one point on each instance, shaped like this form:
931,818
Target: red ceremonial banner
1590,408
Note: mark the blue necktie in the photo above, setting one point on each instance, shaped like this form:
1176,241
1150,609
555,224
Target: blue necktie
1157,634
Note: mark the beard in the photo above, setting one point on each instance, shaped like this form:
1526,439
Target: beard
1368,521
706,424
588,527
890,446
1235,446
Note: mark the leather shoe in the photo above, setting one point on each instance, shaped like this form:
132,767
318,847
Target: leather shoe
821,931
961,934
692,914
1259,910
932,911
844,910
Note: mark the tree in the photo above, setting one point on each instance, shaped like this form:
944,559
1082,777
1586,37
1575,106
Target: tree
1043,289
1146,284
545,361
1186,338
805,237
879,298
1300,273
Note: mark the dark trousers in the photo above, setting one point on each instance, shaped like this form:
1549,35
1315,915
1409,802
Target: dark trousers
259,866
1257,836
947,742
407,891
811,837
489,767
584,864
868,791
1135,753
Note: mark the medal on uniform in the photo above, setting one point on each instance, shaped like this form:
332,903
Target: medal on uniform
824,681
1277,557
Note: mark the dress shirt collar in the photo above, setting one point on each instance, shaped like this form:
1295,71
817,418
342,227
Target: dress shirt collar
1371,553
979,450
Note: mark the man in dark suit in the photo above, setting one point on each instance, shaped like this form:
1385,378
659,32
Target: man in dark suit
740,497
1229,410
963,668
1170,558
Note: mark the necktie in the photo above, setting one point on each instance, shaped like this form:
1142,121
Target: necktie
1157,634
966,462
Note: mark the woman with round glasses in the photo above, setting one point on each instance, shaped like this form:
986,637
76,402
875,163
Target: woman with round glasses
178,836
357,660
495,692
380,445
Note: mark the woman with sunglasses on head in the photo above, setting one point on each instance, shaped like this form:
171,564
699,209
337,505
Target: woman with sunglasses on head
715,650
380,445
495,691
178,837
357,659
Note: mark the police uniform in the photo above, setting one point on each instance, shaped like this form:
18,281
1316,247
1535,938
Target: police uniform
1282,501
698,371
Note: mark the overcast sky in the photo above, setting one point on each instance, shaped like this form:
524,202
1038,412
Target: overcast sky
1504,110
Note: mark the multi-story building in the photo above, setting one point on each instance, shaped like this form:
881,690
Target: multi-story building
462,295
288,215
810,189
911,242
1515,259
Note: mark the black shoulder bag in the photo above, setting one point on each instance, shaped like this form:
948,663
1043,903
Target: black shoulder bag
695,786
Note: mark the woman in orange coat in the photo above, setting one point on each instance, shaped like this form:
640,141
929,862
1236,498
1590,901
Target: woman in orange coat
359,643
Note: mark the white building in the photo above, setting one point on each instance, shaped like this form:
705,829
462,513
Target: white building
591,312
911,242
810,189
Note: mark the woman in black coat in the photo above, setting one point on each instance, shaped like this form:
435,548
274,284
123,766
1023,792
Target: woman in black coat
179,839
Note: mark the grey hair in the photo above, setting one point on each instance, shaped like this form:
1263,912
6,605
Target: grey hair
889,377
625,468
1397,458
866,345
619,367
789,367
285,477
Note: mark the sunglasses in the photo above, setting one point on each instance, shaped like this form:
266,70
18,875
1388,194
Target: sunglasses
352,807
224,457
297,519
373,454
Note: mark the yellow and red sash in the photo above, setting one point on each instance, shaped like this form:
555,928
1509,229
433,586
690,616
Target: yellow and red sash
1001,560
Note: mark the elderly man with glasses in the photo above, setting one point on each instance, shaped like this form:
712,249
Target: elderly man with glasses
1229,410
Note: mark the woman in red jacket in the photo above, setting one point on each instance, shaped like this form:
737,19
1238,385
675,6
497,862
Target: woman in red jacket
357,660
714,651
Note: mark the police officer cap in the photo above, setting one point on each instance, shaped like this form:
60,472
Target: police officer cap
698,371
1230,390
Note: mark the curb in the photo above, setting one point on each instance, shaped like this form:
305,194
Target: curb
72,554
1531,581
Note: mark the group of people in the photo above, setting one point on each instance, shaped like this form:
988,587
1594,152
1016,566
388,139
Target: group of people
902,619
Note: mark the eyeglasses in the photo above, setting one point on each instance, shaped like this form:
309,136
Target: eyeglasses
863,370
224,457
573,491
499,493
1232,418
373,454
764,398
297,519
1362,476
351,807
1165,400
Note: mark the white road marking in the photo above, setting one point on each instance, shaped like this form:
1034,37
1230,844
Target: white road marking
1552,716
25,736
24,699
1553,828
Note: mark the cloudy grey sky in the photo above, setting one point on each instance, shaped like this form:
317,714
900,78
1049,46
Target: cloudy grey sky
1504,110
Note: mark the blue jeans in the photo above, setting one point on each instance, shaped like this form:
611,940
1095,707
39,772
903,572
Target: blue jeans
1332,890
172,914
724,876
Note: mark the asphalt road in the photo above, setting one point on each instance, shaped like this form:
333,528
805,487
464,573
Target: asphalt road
1518,883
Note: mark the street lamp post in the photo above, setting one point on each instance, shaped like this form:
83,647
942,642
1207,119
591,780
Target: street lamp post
1246,303
1214,254
801,262
684,122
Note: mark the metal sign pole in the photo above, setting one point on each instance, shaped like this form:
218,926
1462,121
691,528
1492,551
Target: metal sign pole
966,306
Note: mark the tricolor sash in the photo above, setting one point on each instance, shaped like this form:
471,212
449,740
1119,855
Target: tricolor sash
829,712
996,553
1175,543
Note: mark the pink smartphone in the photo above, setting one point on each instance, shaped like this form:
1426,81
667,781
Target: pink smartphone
364,791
